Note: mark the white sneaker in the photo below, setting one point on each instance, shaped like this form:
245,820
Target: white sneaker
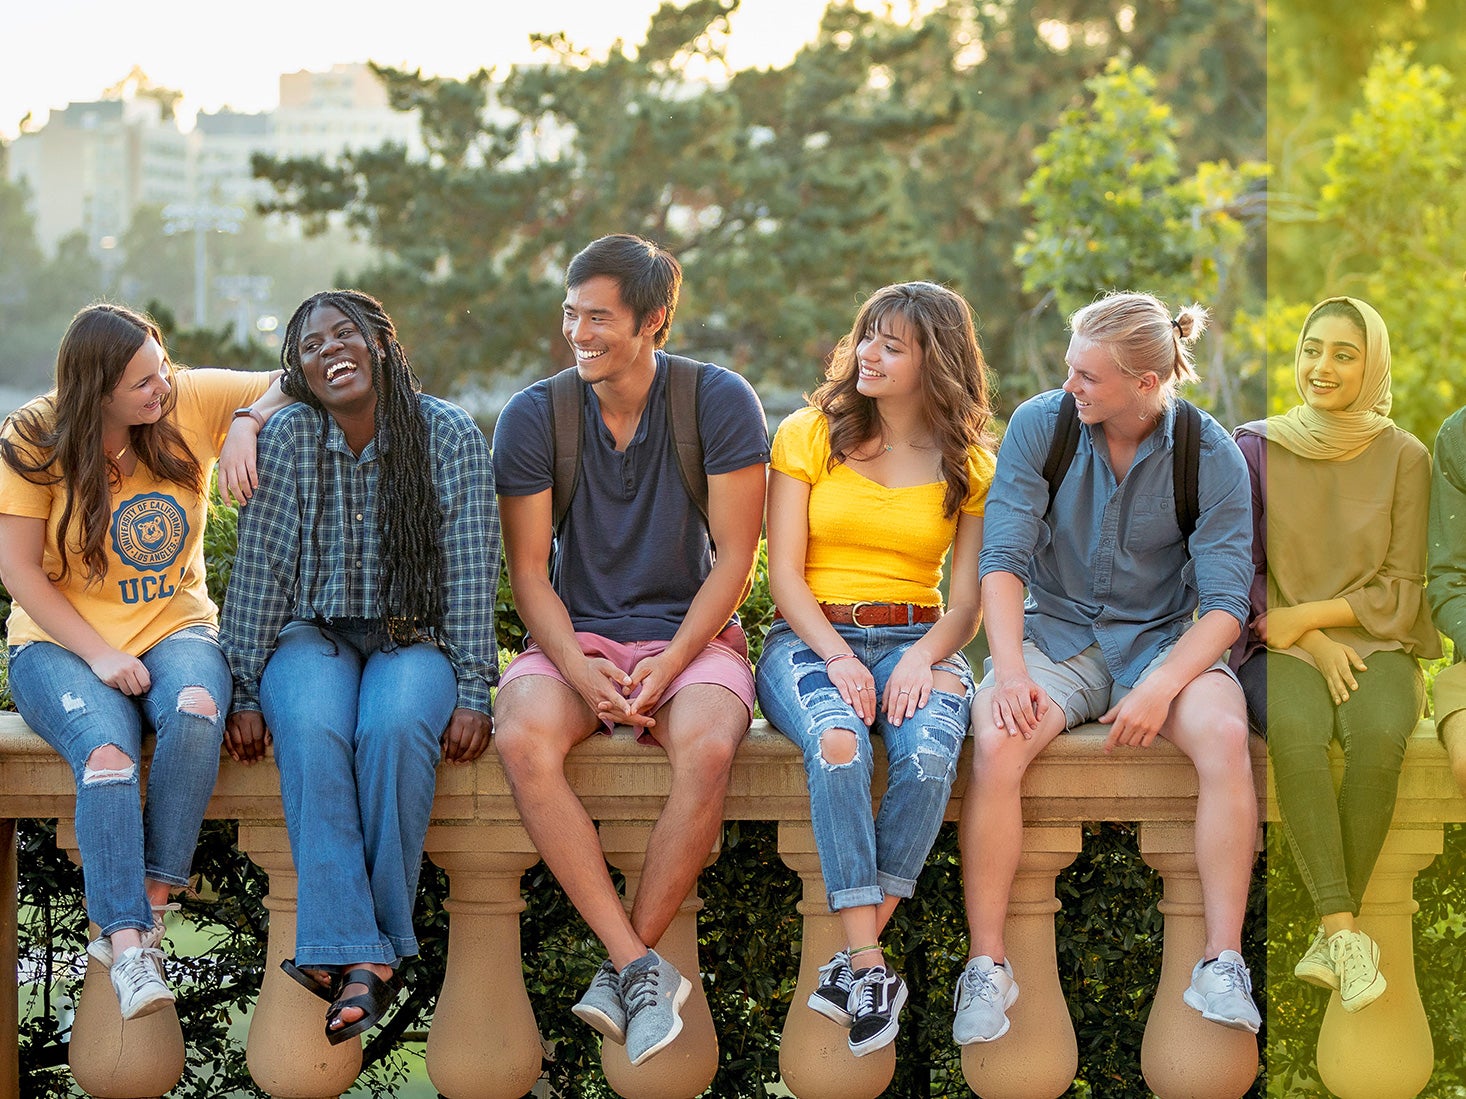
985,992
137,977
1356,961
101,948
1222,991
1317,965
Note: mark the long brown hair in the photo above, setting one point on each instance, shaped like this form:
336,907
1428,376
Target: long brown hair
954,380
59,440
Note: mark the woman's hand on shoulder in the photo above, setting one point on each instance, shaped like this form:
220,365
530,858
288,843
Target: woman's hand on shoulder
121,672
238,476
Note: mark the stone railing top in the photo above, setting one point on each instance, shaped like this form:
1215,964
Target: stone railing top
620,779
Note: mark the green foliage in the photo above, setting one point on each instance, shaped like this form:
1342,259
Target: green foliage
1112,210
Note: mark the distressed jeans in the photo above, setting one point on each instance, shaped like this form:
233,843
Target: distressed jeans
123,842
865,860
356,725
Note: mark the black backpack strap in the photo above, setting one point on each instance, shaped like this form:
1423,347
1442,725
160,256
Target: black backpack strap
566,417
683,376
1061,447
1186,468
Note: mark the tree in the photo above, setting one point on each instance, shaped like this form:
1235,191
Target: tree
1112,210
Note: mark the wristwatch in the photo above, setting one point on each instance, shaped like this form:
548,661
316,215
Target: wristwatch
251,413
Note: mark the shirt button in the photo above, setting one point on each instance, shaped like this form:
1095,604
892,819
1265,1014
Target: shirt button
358,517
358,564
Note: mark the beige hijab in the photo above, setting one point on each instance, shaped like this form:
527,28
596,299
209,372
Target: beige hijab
1326,435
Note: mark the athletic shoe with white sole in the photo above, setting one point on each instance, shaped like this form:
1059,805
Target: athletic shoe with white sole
985,992
137,977
1221,989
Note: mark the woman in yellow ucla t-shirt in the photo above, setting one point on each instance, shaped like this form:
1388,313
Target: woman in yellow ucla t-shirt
112,631
886,470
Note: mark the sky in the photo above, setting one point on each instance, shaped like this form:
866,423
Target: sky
232,55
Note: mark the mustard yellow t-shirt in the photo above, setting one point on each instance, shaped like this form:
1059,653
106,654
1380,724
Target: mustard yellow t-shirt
866,541
154,584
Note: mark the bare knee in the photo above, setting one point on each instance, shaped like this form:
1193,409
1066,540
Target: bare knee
526,753
198,702
108,765
837,747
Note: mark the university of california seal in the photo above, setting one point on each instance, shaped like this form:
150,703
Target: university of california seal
148,531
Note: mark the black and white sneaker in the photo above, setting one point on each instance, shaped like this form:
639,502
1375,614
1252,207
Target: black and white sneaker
876,999
832,998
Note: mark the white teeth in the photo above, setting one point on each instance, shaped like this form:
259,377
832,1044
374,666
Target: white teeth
338,368
583,353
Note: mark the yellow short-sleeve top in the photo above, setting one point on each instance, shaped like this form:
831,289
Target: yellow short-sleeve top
866,541
155,548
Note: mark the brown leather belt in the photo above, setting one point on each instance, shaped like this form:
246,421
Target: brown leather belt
867,615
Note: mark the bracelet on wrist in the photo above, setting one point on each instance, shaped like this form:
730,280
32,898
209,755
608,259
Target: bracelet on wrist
838,656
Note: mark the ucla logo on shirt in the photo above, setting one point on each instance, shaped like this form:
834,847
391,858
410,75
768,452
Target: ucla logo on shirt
148,531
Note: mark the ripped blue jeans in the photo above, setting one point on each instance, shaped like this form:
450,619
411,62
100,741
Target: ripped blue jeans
864,860
121,841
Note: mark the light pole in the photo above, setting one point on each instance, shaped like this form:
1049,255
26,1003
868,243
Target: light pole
201,218
243,290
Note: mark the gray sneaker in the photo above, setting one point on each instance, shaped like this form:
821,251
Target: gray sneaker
832,998
601,1008
1222,991
137,978
1316,966
653,992
1356,961
985,992
101,948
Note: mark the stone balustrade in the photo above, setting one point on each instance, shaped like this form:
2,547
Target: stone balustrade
488,1047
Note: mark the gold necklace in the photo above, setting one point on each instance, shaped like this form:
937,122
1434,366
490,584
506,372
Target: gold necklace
118,456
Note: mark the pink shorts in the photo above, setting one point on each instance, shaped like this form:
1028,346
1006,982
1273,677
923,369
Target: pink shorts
724,663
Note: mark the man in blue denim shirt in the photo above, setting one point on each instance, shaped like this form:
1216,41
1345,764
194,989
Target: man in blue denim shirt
1107,634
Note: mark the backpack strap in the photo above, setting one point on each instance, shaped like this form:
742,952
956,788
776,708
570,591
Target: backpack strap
566,416
683,376
1061,447
1185,468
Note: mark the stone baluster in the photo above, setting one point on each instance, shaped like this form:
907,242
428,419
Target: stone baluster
1385,1051
288,1054
111,1059
1039,1056
483,1046
686,1067
815,1061
1183,1055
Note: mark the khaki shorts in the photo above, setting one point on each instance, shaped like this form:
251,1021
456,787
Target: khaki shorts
1082,685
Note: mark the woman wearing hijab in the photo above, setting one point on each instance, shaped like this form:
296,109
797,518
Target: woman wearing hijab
1338,617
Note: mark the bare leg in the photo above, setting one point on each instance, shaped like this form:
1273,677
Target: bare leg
701,729
1208,722
992,822
538,720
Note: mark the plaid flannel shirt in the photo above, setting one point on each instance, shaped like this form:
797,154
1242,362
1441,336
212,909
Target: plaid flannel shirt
308,547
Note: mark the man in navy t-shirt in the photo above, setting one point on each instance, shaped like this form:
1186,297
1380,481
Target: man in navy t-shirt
631,614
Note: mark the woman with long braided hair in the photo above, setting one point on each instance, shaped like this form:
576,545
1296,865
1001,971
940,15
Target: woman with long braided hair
359,626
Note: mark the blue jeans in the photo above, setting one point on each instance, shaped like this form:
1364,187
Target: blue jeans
356,724
865,860
122,841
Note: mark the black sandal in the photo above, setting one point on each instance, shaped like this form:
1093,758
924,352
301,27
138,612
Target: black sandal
374,1002
303,978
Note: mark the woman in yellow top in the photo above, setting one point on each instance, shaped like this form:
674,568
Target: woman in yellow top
112,630
886,470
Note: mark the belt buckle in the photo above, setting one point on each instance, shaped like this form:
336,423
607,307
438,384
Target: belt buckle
855,609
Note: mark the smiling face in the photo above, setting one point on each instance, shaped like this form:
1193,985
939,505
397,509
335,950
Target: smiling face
889,357
1101,390
336,360
137,398
1331,363
602,330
